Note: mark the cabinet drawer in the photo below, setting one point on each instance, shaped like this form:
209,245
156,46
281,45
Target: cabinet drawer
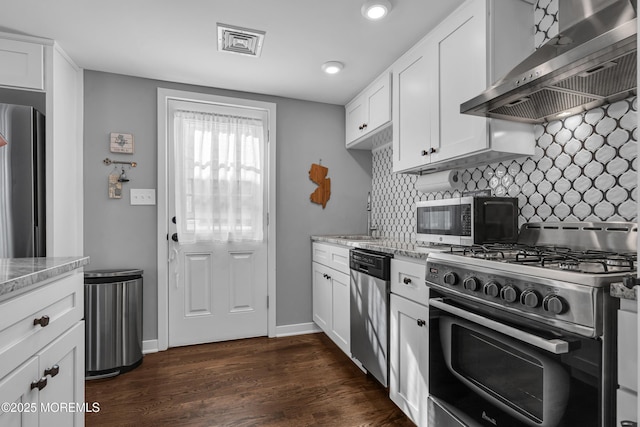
628,350
332,256
22,64
407,280
61,300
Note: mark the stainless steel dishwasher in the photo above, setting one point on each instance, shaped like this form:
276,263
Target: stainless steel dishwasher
370,311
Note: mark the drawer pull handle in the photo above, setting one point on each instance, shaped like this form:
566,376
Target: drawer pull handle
406,281
53,371
421,322
628,424
42,321
40,384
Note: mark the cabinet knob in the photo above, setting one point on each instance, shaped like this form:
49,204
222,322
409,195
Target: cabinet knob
42,321
53,371
406,281
424,153
40,384
326,276
421,322
432,150
364,126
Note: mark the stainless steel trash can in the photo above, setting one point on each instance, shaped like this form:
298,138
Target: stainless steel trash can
113,321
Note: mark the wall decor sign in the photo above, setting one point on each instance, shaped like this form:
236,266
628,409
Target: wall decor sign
121,143
318,174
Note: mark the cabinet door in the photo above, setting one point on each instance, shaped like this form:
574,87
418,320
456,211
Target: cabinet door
15,389
355,118
322,299
341,318
461,55
22,64
62,363
409,334
412,110
378,98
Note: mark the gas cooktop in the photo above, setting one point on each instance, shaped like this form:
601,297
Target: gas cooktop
554,257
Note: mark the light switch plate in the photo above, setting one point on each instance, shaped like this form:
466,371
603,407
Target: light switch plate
143,196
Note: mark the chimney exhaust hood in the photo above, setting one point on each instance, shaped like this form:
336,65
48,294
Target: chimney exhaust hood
591,62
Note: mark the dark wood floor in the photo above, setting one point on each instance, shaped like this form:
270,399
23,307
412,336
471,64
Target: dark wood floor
294,381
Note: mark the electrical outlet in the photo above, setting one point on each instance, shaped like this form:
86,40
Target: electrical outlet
143,196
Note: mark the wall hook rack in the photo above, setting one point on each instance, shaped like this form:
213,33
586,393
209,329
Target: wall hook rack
108,161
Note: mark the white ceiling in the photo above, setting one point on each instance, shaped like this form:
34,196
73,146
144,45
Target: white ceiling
175,40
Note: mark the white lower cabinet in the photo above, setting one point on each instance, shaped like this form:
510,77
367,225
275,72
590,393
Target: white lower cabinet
331,284
42,356
409,339
409,349
627,393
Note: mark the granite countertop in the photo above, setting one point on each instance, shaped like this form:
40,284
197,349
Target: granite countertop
619,290
382,245
18,275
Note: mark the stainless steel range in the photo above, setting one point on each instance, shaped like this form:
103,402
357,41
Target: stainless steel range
524,334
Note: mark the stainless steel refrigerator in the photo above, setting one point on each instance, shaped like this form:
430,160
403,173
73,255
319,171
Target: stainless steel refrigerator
22,182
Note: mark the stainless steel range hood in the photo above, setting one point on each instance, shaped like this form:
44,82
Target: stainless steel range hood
589,63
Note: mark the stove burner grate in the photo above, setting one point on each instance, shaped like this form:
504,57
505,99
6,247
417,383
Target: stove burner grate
554,257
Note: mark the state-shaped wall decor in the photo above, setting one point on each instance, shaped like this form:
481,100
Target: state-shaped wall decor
318,174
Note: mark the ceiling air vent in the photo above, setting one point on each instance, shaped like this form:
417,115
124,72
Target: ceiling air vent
240,40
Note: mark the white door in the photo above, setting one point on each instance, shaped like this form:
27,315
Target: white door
217,193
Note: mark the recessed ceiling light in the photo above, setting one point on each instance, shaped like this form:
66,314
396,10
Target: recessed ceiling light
332,67
375,9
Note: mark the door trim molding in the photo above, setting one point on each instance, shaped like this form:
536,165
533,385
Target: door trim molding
163,217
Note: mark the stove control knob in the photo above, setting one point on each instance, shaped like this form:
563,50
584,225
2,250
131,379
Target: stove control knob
554,304
450,278
492,289
530,298
509,293
471,284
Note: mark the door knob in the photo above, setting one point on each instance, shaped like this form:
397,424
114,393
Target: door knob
174,237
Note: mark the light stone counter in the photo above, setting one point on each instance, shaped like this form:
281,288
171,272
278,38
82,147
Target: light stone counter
19,275
618,290
393,247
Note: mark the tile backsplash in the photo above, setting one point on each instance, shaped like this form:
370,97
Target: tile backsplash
584,169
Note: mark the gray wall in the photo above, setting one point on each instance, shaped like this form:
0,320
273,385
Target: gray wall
119,235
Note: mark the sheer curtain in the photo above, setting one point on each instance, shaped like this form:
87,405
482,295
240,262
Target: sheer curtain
218,177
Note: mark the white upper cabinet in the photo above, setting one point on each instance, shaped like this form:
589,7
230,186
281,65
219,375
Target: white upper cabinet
368,112
455,62
22,64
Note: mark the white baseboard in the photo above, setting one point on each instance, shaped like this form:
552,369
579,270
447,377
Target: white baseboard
149,346
297,329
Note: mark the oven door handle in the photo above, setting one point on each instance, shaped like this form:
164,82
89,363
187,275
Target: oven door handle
555,346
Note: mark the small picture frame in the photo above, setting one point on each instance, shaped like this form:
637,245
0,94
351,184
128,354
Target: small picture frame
121,143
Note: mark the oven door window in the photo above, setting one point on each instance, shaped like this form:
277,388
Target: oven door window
441,220
503,372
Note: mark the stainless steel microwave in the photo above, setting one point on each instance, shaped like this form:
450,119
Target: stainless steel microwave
468,220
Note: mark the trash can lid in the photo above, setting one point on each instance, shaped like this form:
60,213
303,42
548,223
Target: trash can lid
115,272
